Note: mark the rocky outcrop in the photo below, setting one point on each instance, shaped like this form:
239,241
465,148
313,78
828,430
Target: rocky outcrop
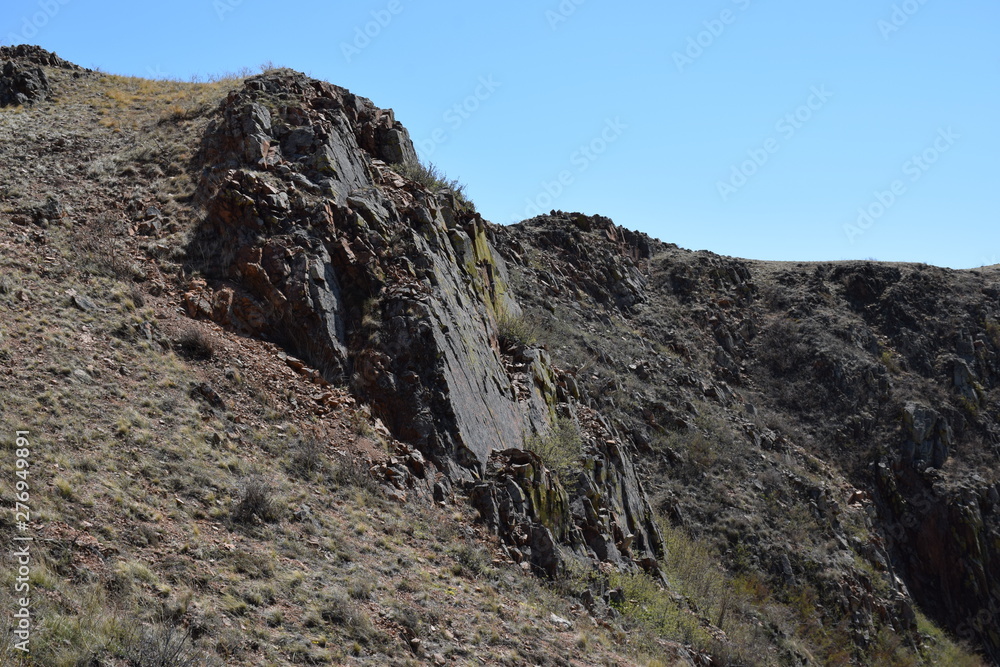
928,437
946,540
601,512
313,240
854,362
27,53
22,84
22,78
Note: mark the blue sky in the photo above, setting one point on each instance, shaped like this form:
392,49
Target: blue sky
771,130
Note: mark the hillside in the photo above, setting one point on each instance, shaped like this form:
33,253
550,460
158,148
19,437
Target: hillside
289,399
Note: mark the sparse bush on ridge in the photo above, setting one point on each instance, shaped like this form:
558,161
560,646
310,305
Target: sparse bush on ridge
434,180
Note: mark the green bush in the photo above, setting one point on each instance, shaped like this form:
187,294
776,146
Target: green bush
560,449
993,330
645,603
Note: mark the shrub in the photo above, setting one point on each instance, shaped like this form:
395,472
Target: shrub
164,646
256,500
361,422
993,331
360,589
350,472
100,249
644,602
890,360
560,449
306,457
473,558
337,607
193,342
515,330
435,180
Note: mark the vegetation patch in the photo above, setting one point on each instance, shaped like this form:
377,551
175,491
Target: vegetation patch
514,331
561,448
436,181
257,502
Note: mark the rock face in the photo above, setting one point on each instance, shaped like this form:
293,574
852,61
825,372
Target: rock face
21,85
603,516
314,241
947,541
927,437
27,53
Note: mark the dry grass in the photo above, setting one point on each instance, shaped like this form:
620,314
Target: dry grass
194,342
133,101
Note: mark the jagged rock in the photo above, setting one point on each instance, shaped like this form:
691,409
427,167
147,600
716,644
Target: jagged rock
27,53
947,542
83,303
928,436
605,519
51,211
22,84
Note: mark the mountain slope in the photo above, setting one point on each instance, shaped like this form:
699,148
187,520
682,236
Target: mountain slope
294,401
853,402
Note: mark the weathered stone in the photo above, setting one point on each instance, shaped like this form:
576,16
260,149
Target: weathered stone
27,53
83,303
928,436
22,84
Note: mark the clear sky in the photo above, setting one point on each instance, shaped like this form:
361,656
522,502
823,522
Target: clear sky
773,129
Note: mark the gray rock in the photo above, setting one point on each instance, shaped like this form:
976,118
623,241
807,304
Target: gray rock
560,622
928,436
22,84
82,376
83,303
